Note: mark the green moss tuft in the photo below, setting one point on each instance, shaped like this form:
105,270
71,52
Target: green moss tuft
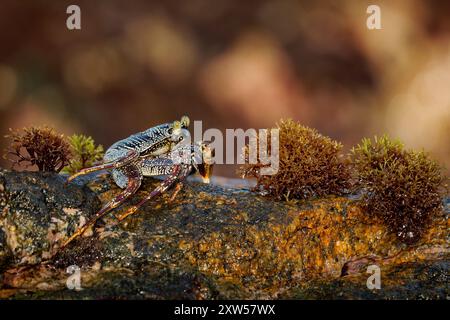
85,153
311,165
402,187
38,146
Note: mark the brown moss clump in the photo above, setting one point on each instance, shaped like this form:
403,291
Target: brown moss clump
38,146
310,165
402,187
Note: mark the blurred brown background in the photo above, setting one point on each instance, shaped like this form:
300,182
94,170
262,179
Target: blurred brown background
232,64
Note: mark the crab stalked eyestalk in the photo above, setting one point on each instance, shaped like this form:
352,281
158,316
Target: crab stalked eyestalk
179,133
185,122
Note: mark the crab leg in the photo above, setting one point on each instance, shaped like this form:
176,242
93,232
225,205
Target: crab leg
130,156
134,182
179,172
178,188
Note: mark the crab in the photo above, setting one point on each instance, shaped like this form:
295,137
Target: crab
159,151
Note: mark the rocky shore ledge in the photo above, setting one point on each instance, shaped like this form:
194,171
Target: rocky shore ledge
212,242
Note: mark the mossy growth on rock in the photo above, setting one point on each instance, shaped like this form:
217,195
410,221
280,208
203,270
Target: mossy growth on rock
41,147
402,187
84,153
310,165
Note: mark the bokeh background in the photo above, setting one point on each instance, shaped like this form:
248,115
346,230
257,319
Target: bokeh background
230,63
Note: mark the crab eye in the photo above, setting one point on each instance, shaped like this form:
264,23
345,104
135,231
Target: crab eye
180,138
170,130
185,121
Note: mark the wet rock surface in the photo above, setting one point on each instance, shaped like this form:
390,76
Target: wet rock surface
36,210
211,242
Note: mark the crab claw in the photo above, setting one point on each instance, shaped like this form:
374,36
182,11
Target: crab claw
205,171
205,168
206,180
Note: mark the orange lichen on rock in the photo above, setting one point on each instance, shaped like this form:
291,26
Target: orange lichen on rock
315,243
